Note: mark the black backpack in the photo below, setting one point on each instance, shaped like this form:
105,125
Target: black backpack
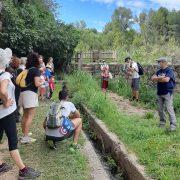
141,70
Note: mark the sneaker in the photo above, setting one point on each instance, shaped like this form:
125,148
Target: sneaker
51,144
172,128
27,140
30,134
28,173
4,168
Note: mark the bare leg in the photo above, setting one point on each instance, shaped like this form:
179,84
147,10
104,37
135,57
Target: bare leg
136,95
78,127
27,120
17,159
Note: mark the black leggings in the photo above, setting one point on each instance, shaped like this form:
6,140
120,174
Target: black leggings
8,124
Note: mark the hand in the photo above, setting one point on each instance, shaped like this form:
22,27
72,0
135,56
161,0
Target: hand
154,77
9,103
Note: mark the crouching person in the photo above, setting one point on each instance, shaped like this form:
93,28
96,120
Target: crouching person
63,121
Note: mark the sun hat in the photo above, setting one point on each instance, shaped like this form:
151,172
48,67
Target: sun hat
5,57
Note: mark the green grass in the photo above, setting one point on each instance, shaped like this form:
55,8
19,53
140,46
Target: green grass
157,150
147,93
57,164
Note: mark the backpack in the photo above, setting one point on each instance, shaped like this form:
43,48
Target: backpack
54,116
21,78
140,68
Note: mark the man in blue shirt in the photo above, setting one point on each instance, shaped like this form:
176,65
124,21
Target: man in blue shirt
165,84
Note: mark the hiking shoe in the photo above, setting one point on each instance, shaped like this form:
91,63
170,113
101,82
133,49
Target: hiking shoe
27,140
172,128
4,168
30,134
51,144
28,173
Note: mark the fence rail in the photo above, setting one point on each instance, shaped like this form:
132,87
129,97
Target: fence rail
95,56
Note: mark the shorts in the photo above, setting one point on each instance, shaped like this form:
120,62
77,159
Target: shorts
135,84
28,99
53,138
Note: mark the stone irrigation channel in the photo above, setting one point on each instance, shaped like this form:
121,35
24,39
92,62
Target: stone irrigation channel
110,144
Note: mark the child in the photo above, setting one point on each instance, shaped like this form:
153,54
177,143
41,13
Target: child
42,89
51,86
72,118
105,75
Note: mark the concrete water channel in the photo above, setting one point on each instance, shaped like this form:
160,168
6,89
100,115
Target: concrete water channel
108,143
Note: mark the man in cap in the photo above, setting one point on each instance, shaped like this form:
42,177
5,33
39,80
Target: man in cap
165,84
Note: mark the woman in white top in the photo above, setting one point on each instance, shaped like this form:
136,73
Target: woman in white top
7,118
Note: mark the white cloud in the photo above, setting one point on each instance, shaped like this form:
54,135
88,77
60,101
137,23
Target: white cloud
142,4
170,4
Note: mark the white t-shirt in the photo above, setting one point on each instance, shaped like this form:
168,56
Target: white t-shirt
11,95
68,108
135,73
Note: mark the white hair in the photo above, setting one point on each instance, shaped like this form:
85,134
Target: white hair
5,57
23,60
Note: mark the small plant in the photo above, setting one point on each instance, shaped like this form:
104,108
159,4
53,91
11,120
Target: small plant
111,163
149,115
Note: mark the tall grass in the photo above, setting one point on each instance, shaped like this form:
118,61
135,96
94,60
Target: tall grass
147,93
156,149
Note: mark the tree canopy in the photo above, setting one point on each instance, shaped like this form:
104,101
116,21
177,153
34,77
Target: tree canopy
30,25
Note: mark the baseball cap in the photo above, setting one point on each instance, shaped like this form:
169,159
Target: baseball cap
163,59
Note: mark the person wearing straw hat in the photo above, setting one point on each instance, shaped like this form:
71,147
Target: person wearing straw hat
165,80
7,118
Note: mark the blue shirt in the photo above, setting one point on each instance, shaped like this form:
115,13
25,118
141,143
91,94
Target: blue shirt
164,88
47,73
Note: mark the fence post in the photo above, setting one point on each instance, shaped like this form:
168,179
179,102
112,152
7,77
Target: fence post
80,60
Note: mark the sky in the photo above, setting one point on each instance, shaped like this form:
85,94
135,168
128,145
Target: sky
96,13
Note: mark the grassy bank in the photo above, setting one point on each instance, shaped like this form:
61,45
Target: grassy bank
157,149
54,164
147,93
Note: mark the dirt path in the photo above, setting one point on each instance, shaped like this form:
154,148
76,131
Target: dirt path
126,106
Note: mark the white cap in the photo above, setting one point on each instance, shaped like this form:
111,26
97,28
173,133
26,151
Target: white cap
5,57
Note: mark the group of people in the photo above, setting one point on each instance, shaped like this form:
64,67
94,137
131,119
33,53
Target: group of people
8,108
165,80
47,76
39,77
12,97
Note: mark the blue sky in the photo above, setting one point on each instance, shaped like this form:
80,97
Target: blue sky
96,13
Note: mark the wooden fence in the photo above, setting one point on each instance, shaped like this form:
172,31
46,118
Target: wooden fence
95,56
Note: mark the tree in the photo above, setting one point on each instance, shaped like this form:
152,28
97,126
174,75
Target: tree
30,25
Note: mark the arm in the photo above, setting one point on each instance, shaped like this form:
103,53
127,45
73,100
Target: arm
38,81
74,115
162,79
4,95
